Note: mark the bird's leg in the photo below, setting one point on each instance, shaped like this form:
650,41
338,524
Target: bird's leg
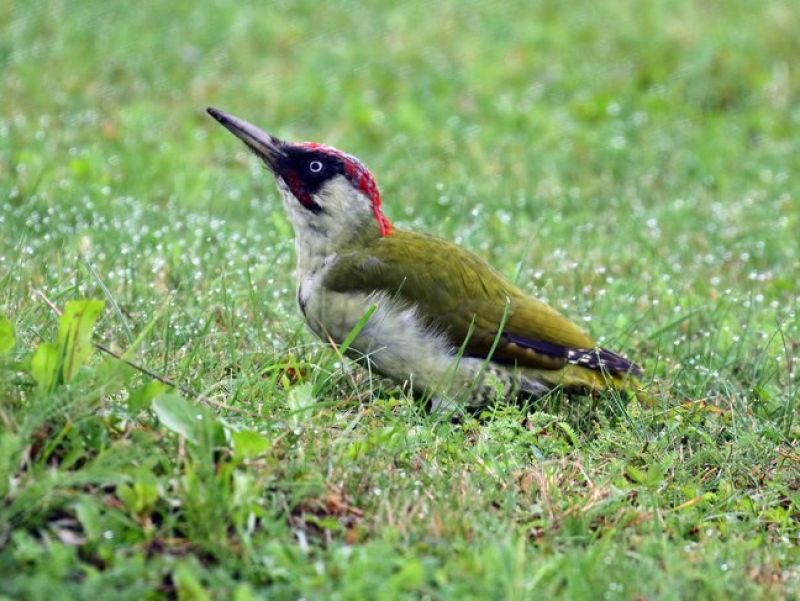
473,384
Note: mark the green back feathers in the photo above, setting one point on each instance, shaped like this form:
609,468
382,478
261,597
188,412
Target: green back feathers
457,292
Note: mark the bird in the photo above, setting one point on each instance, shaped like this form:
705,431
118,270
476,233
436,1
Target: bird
422,311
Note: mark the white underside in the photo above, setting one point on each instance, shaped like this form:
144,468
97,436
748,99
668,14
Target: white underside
397,343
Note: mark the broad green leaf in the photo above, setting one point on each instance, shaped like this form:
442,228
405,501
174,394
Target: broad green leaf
75,333
45,366
127,496
301,399
143,493
7,339
178,414
146,492
249,444
88,514
188,419
142,397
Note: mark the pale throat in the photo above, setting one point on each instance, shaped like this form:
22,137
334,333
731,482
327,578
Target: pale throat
312,250
320,236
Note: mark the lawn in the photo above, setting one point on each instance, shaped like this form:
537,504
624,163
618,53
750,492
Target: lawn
634,164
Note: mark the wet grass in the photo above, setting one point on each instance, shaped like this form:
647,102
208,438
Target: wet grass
634,165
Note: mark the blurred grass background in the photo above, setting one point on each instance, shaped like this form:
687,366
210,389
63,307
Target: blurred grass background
634,163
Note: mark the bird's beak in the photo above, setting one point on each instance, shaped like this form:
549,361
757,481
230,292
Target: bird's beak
266,146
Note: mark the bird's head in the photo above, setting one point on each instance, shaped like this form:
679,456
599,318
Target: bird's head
327,193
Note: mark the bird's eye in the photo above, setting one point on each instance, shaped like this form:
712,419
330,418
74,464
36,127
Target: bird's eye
315,166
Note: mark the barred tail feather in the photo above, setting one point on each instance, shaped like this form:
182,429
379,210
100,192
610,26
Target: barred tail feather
591,358
604,360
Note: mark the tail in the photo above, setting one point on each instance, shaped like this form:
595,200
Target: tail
582,380
587,369
608,370
601,359
592,358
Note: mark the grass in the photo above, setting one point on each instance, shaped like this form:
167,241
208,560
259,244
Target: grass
634,164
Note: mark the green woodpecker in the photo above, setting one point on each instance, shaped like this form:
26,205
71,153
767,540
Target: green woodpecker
442,319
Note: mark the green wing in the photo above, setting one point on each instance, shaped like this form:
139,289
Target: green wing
461,295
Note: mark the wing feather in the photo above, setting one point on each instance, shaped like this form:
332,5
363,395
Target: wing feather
461,295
